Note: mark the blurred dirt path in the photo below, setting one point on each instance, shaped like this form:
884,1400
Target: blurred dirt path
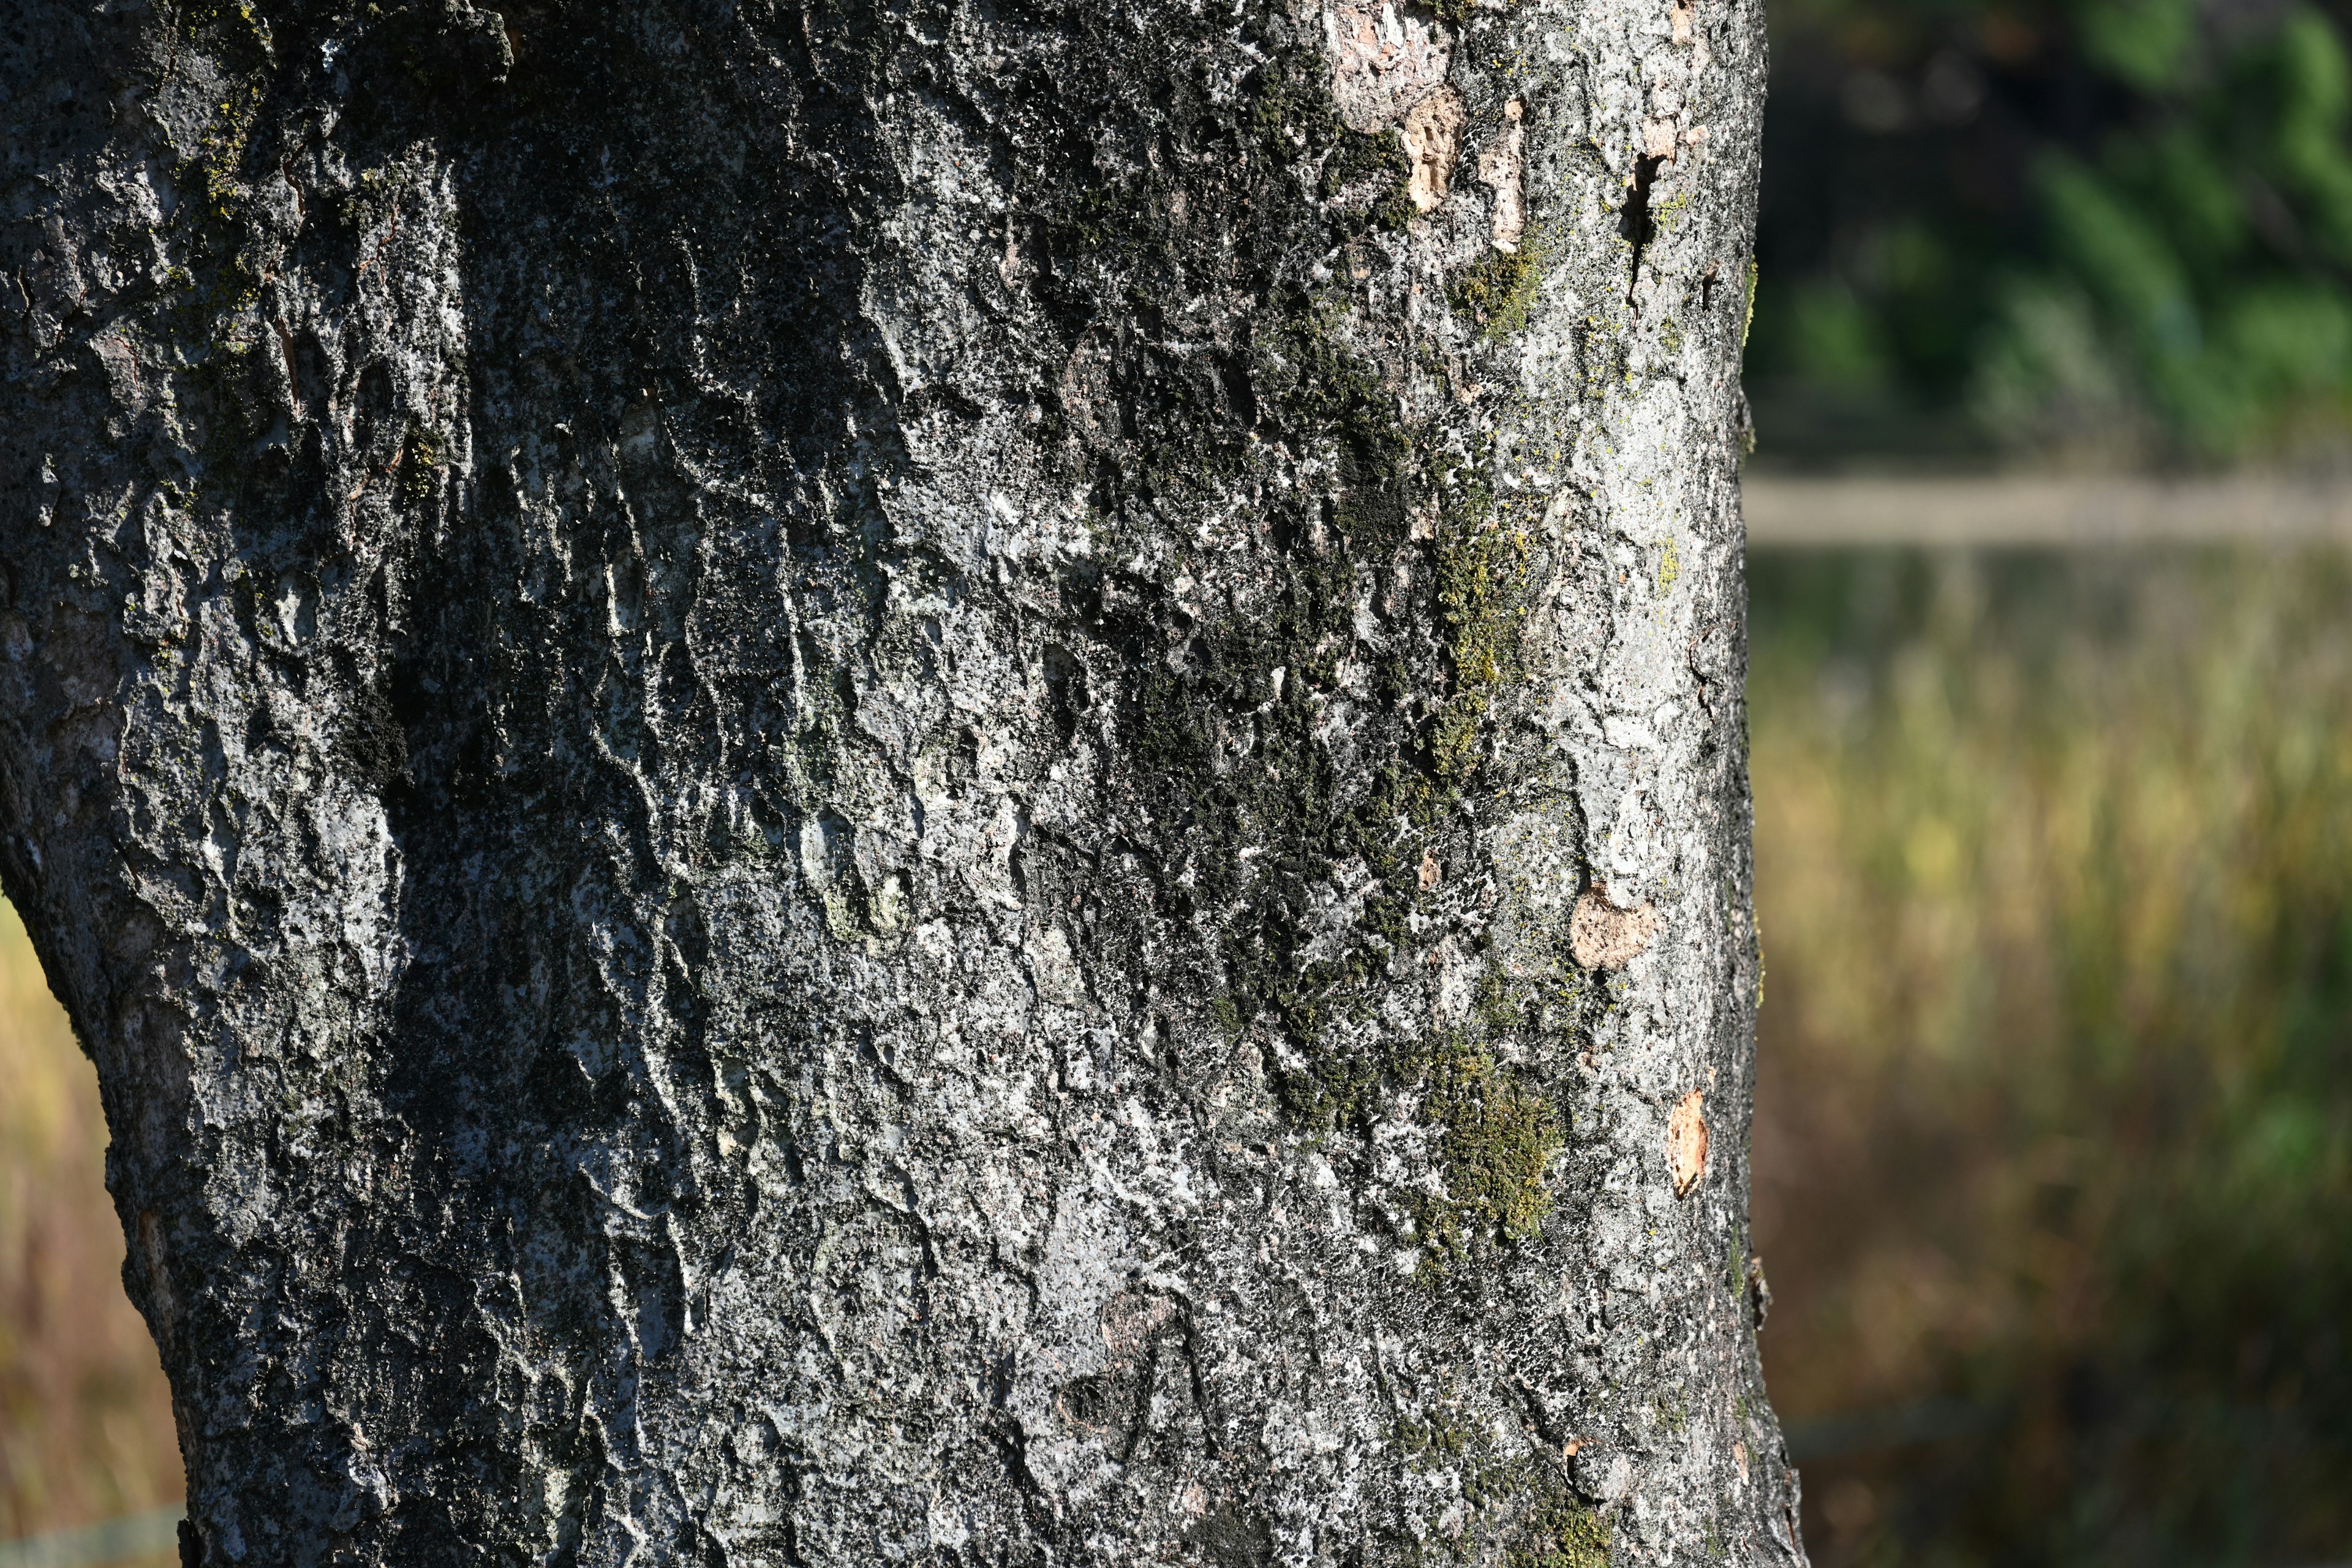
2043,509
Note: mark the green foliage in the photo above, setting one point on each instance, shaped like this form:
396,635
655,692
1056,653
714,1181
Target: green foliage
2163,269
1837,336
2146,43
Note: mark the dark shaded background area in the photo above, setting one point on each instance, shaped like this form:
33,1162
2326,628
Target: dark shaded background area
2087,231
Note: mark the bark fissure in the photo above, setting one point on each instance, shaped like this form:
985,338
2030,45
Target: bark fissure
1635,226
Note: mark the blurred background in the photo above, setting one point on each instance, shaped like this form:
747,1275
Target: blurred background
2053,1152
2087,232
85,1419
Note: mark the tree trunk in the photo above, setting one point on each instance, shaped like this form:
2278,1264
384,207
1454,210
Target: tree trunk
834,782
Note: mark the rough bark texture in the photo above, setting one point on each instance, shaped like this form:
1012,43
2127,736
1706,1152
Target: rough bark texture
947,781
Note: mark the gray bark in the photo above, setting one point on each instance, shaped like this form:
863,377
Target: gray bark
948,781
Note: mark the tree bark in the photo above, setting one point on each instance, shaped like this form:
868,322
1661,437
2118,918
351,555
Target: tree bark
838,781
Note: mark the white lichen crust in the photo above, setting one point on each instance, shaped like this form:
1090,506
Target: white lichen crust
936,783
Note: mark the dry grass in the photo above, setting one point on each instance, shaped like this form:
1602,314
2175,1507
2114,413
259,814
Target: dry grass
2056,1113
85,1419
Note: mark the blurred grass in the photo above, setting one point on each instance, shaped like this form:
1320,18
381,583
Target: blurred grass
2054,877
85,1418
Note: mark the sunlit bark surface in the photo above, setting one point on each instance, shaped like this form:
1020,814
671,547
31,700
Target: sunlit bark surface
931,783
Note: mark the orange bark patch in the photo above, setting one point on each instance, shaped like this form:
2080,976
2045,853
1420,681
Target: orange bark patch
1601,936
1686,1142
1433,138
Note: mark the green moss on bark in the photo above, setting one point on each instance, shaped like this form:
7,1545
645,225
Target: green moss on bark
1499,292
1525,1505
1482,576
1363,158
1298,816
1563,1533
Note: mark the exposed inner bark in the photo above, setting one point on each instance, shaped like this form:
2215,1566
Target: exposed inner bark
816,776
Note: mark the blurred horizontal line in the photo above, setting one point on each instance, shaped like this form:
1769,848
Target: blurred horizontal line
2026,509
133,1535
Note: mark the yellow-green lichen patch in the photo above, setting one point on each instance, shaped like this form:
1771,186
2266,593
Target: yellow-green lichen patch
1499,1137
1482,574
206,26
217,273
1563,1533
223,149
1747,306
420,454
1499,292
234,287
